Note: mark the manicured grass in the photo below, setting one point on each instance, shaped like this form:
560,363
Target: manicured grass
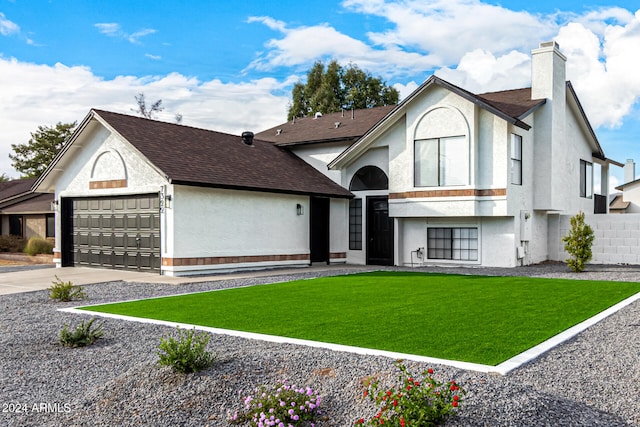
477,319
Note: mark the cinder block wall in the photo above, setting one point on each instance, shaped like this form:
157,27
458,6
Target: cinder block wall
617,238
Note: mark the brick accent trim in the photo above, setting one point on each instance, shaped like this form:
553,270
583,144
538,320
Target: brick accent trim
337,255
449,193
112,183
182,262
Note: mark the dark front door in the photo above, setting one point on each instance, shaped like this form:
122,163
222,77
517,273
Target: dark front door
319,229
379,232
66,230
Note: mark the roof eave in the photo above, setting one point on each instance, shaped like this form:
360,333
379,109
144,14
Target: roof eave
590,130
260,190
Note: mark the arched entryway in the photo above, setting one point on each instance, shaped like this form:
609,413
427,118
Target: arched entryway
378,227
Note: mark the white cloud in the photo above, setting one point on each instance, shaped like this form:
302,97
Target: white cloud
154,57
7,27
449,29
301,46
35,95
481,71
602,64
113,29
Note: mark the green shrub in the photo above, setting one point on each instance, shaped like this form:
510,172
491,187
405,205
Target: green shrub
11,244
578,243
83,335
38,245
187,353
65,291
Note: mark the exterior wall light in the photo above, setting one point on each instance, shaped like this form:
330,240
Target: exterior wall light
167,201
54,205
299,209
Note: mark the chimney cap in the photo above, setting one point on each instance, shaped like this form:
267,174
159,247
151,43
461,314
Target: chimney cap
551,43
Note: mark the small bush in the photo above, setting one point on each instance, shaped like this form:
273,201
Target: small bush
83,335
281,405
11,244
65,291
578,243
38,245
187,353
416,402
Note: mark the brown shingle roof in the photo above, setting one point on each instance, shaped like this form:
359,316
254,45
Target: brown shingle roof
36,203
16,187
305,130
193,156
618,203
514,103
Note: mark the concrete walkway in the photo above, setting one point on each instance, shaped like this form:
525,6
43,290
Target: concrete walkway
42,278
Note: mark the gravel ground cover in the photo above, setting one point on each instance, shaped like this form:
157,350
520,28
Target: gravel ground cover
591,380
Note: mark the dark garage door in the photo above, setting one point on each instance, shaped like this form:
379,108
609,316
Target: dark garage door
113,232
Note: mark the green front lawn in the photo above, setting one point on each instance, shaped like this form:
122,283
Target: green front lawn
479,319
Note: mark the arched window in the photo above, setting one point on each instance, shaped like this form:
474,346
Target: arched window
369,178
441,149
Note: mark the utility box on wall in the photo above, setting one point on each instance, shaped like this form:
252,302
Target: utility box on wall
525,226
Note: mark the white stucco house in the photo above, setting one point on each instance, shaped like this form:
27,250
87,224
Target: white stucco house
444,177
452,177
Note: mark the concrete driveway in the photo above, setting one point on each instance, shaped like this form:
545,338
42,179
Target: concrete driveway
35,279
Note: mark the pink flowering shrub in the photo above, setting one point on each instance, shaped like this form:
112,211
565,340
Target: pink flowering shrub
281,406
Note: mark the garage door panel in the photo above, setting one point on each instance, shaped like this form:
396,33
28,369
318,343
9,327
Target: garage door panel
117,232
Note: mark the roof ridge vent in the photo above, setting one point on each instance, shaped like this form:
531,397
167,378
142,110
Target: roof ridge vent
317,115
247,138
337,124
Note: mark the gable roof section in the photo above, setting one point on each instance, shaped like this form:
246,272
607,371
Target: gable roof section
511,105
16,196
351,125
15,188
515,103
200,157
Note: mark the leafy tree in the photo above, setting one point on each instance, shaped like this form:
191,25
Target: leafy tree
578,243
4,177
145,111
332,88
32,158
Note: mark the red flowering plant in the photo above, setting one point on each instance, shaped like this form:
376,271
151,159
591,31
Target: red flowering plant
417,402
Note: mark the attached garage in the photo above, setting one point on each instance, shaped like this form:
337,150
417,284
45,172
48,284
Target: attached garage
138,194
120,232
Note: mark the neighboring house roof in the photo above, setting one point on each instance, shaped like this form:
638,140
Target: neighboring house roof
628,184
200,157
15,188
16,197
618,204
345,125
37,204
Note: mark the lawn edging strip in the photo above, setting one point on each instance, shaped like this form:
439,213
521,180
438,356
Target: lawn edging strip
502,368
528,355
285,340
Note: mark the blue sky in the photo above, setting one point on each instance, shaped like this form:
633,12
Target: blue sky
230,66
